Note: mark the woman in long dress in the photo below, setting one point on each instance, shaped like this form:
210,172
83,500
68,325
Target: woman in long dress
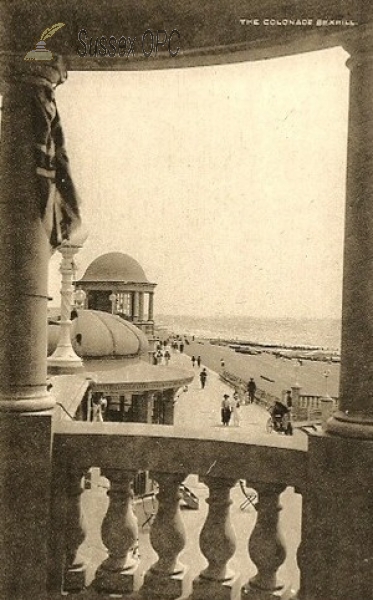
236,409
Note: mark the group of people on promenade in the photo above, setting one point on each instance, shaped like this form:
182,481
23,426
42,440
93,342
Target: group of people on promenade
162,357
196,361
231,407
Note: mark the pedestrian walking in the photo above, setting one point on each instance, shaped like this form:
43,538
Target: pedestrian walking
222,363
198,361
251,388
193,359
203,377
167,357
236,409
225,410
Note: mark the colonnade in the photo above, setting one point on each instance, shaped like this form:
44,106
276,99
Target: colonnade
133,304
25,404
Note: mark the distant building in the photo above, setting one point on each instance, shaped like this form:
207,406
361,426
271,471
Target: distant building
116,283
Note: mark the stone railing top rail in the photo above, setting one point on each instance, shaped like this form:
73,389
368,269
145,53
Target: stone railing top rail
222,453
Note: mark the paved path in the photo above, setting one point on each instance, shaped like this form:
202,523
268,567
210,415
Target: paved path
200,408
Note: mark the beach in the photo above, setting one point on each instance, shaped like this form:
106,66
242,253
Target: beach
271,374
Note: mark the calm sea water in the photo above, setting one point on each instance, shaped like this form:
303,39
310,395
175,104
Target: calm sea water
325,333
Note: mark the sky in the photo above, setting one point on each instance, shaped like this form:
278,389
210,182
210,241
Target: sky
226,183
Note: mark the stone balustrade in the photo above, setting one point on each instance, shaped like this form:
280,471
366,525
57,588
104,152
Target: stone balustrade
120,451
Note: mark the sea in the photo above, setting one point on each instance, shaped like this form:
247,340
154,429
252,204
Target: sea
320,333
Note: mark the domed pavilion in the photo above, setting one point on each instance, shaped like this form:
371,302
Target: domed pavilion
116,283
113,352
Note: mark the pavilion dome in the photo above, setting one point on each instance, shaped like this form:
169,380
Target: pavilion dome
97,334
115,266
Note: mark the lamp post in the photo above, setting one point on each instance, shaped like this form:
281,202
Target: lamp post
64,359
326,376
327,403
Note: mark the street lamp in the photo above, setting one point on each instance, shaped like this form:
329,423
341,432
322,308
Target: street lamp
64,358
327,403
326,375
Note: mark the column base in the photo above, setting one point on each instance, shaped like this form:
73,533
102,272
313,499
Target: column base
25,442
337,536
350,425
206,589
64,363
65,369
163,586
27,401
75,579
249,592
116,582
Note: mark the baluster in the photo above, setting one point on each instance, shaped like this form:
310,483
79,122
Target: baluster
308,574
217,543
266,544
76,531
119,533
167,535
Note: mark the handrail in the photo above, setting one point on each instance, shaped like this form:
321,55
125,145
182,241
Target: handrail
262,457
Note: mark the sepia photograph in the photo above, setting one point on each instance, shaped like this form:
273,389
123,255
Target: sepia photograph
186,305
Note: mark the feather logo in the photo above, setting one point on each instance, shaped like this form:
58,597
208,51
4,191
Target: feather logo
49,31
40,52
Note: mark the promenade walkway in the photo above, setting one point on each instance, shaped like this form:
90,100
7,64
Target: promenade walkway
270,373
200,410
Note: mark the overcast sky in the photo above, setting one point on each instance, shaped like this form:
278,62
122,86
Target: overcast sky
226,183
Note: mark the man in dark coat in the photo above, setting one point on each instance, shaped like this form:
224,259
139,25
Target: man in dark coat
203,377
251,388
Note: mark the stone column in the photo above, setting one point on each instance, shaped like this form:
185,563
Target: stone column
25,418
337,529
145,408
169,407
295,397
136,307
151,307
355,415
141,306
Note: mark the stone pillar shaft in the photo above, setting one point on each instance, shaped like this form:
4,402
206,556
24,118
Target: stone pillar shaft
141,306
355,417
25,420
24,261
151,307
136,306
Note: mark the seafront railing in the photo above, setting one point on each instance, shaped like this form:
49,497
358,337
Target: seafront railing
308,407
262,397
170,454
